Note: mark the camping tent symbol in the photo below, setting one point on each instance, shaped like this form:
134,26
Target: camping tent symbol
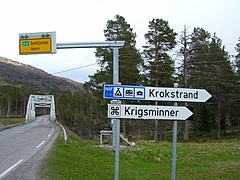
118,92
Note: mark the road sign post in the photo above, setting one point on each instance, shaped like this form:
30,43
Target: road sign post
37,43
115,45
174,144
116,122
154,112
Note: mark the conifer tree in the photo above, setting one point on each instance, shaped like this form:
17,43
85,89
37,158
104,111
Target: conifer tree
130,60
185,41
209,67
160,39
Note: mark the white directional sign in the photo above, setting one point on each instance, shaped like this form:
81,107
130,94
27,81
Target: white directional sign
148,112
155,93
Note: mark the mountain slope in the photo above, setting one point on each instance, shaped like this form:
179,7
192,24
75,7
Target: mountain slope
19,74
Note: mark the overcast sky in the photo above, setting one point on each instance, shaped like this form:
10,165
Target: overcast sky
84,21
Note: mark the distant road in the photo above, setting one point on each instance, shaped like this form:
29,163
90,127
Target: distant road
19,144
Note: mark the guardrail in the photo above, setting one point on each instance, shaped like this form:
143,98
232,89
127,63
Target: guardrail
64,132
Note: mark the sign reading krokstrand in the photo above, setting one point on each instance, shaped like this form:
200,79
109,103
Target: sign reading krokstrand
155,93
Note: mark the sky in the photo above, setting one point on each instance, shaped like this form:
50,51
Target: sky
84,21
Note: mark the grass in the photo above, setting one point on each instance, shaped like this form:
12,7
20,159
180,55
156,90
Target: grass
83,160
9,121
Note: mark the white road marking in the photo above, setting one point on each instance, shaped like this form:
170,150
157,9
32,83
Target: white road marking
11,168
40,144
49,135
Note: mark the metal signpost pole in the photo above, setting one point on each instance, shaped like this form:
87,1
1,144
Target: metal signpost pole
115,82
174,144
116,122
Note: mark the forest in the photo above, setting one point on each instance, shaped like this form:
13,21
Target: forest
195,59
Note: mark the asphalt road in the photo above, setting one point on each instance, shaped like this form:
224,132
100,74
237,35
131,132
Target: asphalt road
19,144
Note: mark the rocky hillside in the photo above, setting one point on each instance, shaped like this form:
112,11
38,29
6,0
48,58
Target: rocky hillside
19,74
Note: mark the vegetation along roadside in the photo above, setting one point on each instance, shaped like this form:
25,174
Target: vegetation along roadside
83,159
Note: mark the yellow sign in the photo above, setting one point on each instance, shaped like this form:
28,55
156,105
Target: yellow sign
35,46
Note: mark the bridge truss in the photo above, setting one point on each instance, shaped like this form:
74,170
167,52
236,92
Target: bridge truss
40,101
